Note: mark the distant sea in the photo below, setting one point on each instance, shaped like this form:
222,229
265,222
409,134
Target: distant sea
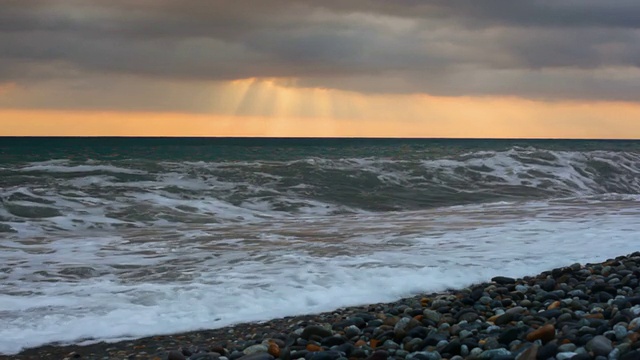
113,238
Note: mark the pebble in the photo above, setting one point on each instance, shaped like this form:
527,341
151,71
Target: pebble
585,311
492,354
544,333
204,356
600,345
565,355
176,355
432,315
257,356
315,330
352,331
259,348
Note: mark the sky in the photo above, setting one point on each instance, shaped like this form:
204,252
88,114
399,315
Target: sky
356,68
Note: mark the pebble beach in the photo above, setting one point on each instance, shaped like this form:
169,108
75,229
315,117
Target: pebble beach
582,311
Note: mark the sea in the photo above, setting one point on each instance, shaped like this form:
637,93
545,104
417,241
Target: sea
121,238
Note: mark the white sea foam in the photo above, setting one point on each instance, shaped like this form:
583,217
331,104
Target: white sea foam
89,286
110,250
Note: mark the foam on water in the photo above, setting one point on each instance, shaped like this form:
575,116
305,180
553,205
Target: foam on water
63,167
91,285
122,247
34,197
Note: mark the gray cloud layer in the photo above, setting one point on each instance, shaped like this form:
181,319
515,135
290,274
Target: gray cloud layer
567,49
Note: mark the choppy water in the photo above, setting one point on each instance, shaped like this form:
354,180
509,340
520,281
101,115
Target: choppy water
119,238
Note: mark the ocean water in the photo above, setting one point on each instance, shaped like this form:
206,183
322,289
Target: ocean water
109,239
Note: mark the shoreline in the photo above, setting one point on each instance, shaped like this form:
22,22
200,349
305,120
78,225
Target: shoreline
583,311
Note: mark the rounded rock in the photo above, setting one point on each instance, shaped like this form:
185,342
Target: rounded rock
315,330
259,348
352,331
175,355
600,345
544,333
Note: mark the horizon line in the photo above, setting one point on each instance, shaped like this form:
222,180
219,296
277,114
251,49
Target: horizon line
303,137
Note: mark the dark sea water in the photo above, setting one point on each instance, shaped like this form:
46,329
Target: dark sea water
110,238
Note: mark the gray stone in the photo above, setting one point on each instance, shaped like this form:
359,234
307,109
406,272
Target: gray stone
516,310
390,344
581,350
565,355
467,315
204,356
257,356
352,331
567,347
485,300
504,319
491,343
614,354
475,352
493,353
315,330
326,355
425,355
623,347
634,325
404,325
175,355
620,332
600,345
413,344
503,280
464,350
259,348
441,344
548,284
432,315
577,292
378,355
526,303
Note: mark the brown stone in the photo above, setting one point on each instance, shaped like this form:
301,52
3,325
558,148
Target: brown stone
360,343
313,347
391,321
373,343
424,301
274,349
545,333
594,316
554,305
529,354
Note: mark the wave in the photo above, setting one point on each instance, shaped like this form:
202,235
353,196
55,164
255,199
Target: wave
67,195
145,282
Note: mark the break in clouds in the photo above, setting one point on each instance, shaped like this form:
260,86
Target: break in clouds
552,49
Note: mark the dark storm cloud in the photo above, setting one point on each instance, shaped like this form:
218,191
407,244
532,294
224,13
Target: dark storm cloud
581,49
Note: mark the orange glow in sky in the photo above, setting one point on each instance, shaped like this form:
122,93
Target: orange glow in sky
268,108
319,68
